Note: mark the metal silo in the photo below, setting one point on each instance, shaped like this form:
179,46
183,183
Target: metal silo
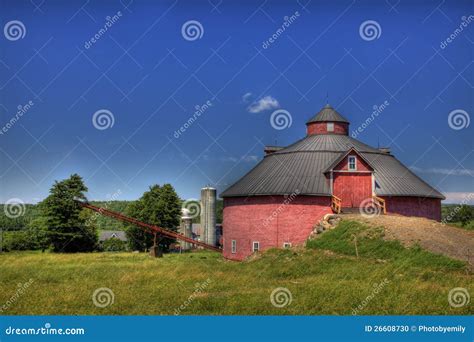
186,227
208,215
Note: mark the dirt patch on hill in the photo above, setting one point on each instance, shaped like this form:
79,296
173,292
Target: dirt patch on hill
436,237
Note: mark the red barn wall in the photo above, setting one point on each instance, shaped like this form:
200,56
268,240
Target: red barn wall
414,206
321,128
352,188
360,164
268,220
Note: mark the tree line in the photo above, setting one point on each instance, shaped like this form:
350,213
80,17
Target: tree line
60,224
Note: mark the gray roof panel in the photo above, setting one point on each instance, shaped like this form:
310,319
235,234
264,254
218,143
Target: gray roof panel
328,114
301,167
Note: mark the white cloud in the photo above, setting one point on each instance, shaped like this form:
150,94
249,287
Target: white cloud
442,171
246,159
459,197
246,97
264,103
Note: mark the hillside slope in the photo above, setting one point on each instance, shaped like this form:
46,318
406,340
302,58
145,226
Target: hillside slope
433,236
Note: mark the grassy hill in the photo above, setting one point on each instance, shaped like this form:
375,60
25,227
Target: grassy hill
325,278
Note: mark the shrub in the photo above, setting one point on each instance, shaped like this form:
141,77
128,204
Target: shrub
114,245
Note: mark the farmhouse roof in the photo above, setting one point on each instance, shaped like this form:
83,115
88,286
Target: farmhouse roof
109,234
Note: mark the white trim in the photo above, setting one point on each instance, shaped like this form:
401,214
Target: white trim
327,126
373,184
253,246
233,246
286,245
349,163
331,181
352,171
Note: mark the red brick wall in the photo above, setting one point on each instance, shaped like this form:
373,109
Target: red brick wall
268,220
321,128
414,206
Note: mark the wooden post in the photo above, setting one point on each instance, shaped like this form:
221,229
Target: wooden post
355,244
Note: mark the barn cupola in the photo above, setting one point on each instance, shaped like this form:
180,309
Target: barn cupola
327,121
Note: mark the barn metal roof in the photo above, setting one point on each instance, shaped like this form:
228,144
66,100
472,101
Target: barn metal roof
300,167
328,114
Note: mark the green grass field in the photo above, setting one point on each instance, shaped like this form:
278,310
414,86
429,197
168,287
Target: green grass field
324,278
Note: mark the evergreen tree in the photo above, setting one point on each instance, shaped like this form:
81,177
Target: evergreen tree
65,218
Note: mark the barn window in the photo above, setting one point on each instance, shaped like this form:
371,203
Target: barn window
234,246
255,246
352,163
286,245
330,127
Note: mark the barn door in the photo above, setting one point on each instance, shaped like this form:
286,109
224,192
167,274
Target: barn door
352,188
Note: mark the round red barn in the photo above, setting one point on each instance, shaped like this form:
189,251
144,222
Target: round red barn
283,197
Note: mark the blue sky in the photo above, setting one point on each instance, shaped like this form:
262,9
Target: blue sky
150,78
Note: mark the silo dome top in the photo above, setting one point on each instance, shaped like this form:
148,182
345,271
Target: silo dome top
328,114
